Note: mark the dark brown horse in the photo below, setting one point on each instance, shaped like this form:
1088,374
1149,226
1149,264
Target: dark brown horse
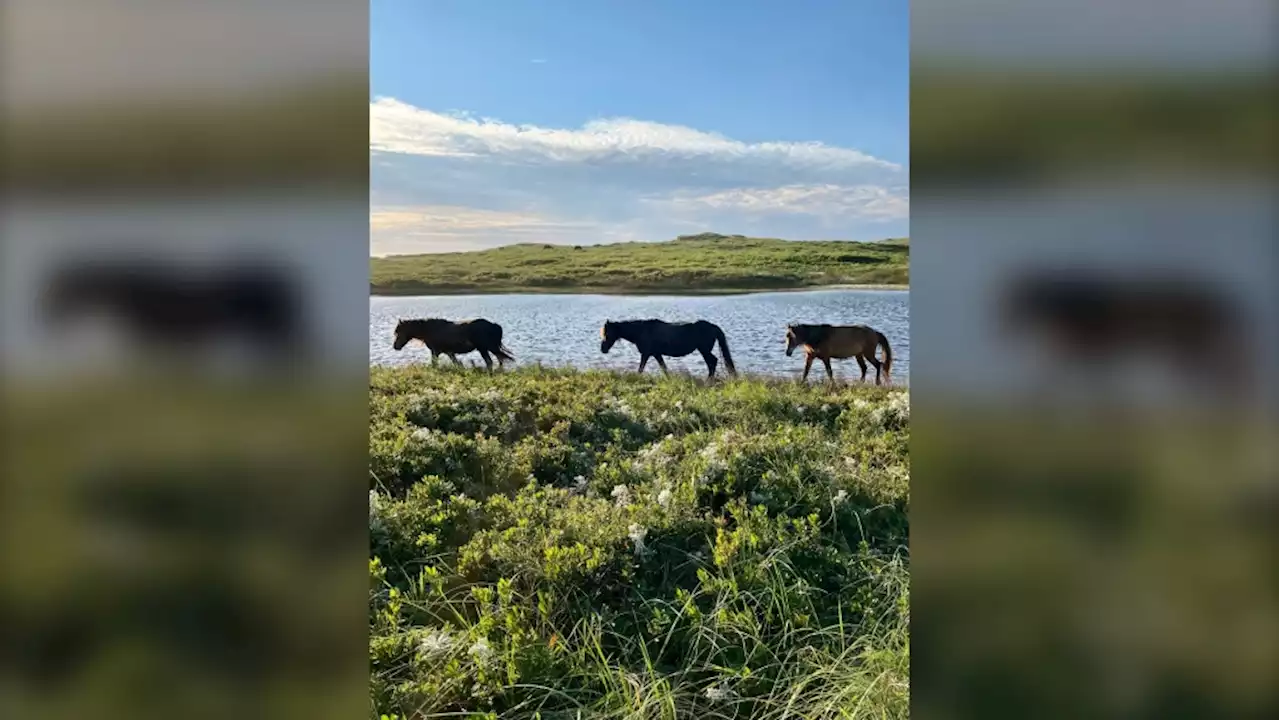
455,338
161,303
656,338
1092,320
825,342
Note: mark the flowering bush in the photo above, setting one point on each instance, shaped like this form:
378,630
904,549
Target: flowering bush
559,542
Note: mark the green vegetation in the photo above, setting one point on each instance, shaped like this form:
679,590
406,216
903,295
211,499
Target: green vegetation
693,263
563,544
302,137
971,125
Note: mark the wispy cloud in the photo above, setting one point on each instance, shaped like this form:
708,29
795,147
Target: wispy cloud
395,126
538,61
494,182
863,201
445,228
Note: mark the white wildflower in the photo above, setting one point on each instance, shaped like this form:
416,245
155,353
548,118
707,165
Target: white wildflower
679,404
375,510
664,497
621,495
655,455
839,498
481,649
434,644
637,535
424,433
758,498
896,411
719,693
579,484
800,409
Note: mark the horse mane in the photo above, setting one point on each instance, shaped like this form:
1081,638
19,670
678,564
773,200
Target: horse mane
418,322
810,334
629,324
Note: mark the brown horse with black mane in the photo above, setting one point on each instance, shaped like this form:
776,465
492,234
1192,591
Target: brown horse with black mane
656,338
455,338
825,342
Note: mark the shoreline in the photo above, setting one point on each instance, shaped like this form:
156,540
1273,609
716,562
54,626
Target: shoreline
773,379
672,292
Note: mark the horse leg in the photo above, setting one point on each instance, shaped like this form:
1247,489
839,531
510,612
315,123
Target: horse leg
434,355
862,364
876,364
644,359
711,362
662,364
808,363
826,361
455,359
488,361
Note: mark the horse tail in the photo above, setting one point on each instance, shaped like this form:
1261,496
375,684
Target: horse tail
498,348
724,350
883,342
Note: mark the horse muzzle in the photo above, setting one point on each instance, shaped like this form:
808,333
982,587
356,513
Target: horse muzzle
604,347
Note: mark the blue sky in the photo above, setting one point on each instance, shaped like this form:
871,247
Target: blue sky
493,122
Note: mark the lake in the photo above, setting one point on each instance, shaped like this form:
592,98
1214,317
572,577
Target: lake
564,330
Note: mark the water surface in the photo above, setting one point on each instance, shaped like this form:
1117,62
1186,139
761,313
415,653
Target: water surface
564,330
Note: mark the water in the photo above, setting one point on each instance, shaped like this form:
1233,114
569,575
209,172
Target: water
564,330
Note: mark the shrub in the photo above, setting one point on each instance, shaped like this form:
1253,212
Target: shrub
562,542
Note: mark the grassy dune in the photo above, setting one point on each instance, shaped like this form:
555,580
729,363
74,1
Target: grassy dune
698,263
564,544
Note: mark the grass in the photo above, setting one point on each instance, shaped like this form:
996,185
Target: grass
697,263
972,126
565,544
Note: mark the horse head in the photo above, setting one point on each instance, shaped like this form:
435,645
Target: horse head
793,340
608,335
404,333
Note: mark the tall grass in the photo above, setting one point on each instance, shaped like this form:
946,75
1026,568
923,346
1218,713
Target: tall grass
563,544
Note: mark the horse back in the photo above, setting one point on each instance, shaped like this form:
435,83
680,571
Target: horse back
843,341
674,339
445,336
484,333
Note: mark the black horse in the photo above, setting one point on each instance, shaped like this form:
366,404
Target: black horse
656,338
455,338
168,304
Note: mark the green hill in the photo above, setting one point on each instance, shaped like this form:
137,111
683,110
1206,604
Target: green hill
691,263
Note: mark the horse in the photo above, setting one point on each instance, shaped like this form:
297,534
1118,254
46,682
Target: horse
165,304
455,338
656,338
1091,320
825,342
